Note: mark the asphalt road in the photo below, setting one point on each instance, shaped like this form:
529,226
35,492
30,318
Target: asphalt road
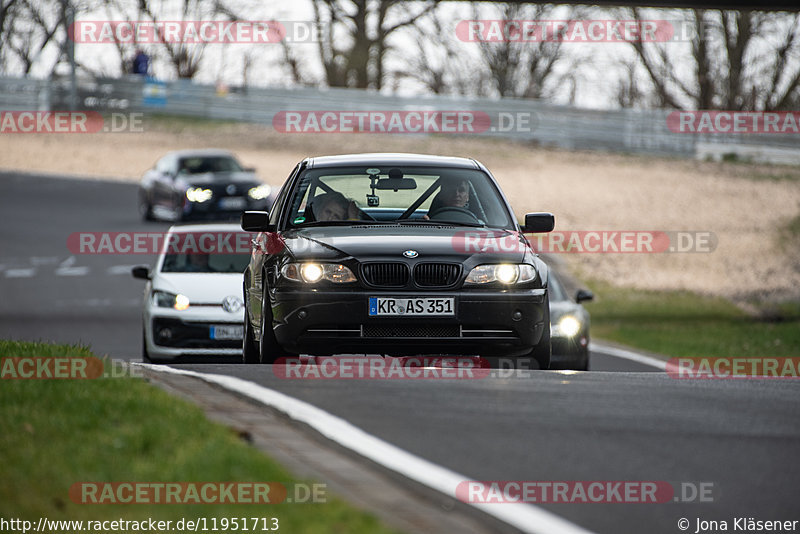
615,423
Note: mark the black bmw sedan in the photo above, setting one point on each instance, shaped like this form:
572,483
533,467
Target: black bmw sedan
201,184
395,254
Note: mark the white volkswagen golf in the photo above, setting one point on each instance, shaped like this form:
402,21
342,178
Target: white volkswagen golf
193,296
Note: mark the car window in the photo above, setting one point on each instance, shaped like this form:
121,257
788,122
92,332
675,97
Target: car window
203,164
205,263
390,194
557,292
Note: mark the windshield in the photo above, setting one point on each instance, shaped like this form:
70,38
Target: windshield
392,195
205,263
557,292
203,164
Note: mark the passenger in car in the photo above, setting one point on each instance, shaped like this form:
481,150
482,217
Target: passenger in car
335,207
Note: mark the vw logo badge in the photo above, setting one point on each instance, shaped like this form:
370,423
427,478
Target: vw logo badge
231,304
231,189
410,253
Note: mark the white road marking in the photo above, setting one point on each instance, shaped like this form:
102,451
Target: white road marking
66,268
20,273
120,269
526,517
628,355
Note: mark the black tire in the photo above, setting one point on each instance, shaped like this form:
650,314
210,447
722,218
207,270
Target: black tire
269,349
583,362
543,352
145,355
250,352
145,208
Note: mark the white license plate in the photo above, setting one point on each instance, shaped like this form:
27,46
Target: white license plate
226,332
411,306
232,203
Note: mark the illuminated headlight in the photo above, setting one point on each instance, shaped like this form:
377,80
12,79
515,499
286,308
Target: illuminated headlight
314,272
505,273
198,194
567,326
259,192
162,299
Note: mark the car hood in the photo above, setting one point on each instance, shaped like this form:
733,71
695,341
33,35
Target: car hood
201,287
389,243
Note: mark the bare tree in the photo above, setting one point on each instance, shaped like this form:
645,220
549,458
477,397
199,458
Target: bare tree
185,58
437,62
738,60
527,68
29,28
354,41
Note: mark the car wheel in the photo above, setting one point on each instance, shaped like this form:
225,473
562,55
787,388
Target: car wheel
268,346
543,351
250,353
145,355
145,208
583,361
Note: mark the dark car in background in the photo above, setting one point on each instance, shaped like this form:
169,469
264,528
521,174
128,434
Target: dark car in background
201,184
569,327
367,253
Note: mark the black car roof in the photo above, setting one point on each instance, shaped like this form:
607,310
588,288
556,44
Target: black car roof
384,159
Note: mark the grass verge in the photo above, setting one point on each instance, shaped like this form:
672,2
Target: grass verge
684,324
54,433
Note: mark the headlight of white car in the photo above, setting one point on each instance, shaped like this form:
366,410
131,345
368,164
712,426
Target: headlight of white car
311,272
163,299
259,192
505,273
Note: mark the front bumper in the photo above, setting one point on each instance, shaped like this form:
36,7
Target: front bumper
190,335
213,210
325,322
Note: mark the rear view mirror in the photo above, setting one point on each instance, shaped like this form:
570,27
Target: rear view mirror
395,184
536,223
583,295
256,221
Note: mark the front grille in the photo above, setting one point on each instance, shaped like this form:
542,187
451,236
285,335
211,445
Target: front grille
436,274
411,331
385,274
188,335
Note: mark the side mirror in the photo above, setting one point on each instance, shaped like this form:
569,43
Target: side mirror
256,221
583,295
141,271
536,223
249,169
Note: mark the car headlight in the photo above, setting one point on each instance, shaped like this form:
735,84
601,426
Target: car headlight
505,273
162,299
567,326
198,194
259,192
311,273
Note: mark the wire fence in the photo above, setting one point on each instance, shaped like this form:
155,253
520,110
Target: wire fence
529,121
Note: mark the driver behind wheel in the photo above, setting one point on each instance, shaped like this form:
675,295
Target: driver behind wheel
454,193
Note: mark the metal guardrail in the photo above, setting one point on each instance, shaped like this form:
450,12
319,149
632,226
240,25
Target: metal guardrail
633,131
